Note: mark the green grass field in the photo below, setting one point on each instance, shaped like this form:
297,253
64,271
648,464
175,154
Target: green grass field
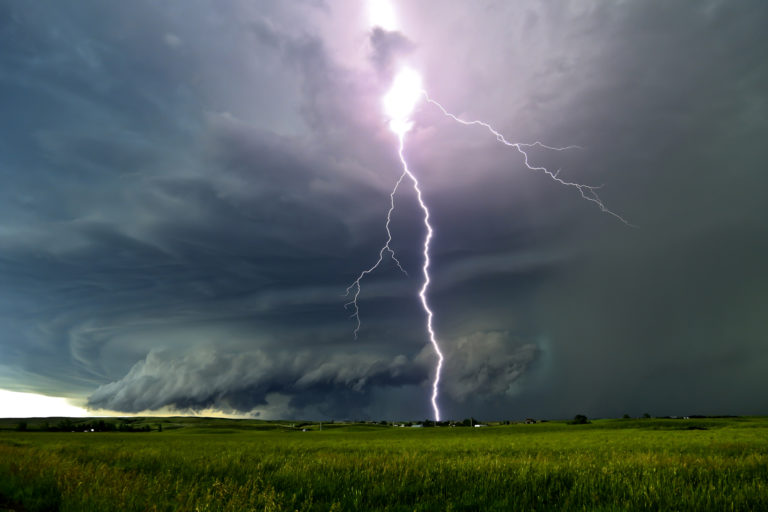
238,465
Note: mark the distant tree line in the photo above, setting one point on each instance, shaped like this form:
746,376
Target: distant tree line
67,425
467,422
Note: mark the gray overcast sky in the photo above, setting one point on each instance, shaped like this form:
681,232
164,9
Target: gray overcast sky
187,188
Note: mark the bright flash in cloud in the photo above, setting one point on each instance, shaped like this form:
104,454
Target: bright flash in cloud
401,99
382,14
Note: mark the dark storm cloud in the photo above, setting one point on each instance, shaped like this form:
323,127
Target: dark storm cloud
243,381
187,192
160,228
387,47
486,364
121,230
663,319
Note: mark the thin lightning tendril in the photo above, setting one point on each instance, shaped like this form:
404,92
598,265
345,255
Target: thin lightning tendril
354,288
587,192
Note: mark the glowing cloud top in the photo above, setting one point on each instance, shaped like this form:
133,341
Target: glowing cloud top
401,99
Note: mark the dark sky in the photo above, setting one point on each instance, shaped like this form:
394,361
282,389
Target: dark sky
187,188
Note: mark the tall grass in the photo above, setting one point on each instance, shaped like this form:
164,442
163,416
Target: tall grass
603,466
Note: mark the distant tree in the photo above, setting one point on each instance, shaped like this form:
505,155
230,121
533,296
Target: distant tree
580,419
646,415
466,423
626,416
159,427
21,426
65,425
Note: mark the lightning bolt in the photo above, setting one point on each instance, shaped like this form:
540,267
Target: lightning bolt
401,102
427,280
354,288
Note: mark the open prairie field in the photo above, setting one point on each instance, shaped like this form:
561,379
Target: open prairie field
239,465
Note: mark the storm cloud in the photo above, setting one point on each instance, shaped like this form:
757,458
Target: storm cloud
386,48
243,381
188,189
